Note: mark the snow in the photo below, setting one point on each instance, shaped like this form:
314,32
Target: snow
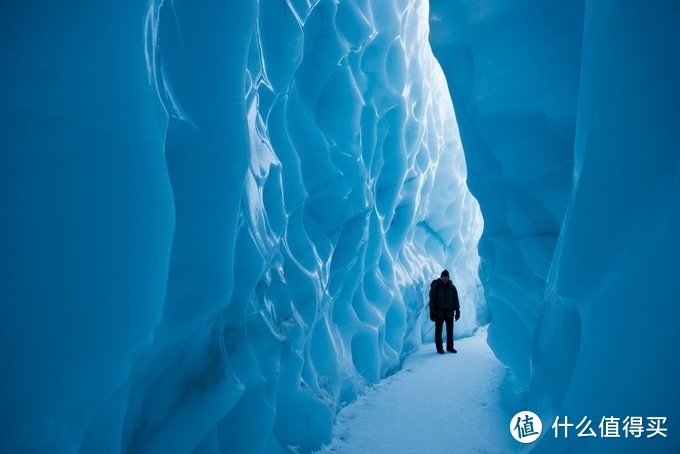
435,404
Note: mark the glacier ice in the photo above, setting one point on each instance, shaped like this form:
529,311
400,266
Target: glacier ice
220,218
570,129
516,103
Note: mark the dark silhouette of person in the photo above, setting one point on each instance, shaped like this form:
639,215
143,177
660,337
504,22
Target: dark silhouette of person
444,305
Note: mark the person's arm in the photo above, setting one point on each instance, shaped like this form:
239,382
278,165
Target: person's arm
456,303
433,301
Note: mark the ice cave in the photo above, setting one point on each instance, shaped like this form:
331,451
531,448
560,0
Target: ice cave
220,220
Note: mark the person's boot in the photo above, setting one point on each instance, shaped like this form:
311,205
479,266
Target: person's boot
451,350
440,350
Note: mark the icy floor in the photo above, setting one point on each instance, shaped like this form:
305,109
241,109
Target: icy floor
435,404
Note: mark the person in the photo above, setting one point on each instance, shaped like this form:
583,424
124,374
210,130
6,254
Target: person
444,305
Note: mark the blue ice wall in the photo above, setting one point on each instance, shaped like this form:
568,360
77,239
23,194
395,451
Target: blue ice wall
219,218
601,81
513,72
353,198
86,216
613,289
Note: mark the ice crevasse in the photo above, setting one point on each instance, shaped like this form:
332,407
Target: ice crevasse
224,217
219,218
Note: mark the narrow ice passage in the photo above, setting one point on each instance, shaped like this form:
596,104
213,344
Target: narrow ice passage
435,404
219,219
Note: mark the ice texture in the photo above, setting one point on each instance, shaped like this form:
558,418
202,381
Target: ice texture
513,71
220,219
568,115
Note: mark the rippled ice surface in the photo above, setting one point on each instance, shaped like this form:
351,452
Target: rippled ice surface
224,217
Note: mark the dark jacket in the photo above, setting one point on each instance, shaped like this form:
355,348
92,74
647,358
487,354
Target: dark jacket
443,299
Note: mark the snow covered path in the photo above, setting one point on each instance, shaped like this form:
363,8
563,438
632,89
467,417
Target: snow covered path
435,404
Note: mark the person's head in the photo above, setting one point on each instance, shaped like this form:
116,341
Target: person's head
445,276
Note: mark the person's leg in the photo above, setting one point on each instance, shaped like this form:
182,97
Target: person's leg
449,333
438,324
